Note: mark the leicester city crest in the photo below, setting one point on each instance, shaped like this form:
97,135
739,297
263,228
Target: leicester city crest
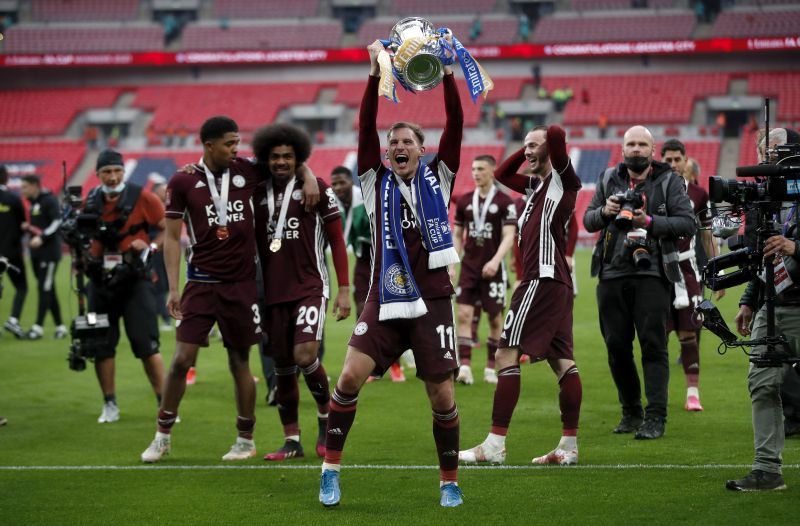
397,281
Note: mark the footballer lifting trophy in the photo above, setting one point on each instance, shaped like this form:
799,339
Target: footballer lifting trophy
419,53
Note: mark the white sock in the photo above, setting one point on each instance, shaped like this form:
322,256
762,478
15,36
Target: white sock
13,320
320,415
296,438
243,440
333,467
692,391
37,329
443,482
160,435
568,443
496,441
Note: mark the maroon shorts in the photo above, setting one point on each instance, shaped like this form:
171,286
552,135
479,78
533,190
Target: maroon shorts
292,323
361,274
539,321
233,306
490,294
686,319
430,337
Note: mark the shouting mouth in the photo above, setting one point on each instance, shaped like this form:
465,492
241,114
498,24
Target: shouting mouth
401,160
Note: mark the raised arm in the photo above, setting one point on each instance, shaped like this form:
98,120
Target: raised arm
369,144
507,175
450,142
557,151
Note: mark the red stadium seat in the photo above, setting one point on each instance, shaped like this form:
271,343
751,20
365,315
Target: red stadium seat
84,10
35,38
48,111
610,27
248,9
43,159
285,35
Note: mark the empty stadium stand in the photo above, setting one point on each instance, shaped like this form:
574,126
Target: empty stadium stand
84,38
495,29
43,159
250,9
754,23
426,7
783,86
84,10
250,105
612,27
48,111
288,34
653,98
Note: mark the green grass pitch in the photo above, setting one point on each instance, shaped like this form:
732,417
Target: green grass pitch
58,466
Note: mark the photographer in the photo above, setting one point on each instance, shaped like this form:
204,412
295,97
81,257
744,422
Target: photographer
119,279
768,385
45,247
641,209
12,217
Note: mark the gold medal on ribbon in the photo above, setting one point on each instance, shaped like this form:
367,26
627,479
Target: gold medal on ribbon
222,233
275,245
479,241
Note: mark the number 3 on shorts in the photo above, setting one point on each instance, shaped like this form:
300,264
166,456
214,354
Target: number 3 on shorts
256,314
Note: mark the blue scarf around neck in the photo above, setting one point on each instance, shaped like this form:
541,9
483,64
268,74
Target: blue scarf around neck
399,294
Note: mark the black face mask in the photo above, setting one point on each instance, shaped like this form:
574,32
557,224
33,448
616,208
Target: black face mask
637,163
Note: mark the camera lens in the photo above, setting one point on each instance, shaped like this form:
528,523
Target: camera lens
641,258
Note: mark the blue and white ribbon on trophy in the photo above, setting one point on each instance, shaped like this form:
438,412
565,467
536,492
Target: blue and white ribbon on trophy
474,75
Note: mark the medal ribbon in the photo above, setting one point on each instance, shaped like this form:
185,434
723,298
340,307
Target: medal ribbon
219,198
479,214
287,195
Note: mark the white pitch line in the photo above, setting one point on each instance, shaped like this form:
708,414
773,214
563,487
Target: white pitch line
306,467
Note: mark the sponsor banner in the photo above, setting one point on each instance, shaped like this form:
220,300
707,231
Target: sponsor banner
298,56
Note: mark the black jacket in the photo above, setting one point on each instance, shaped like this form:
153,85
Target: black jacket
45,215
12,215
672,215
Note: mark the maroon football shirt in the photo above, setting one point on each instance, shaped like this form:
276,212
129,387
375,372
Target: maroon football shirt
298,269
543,222
501,212
188,197
699,198
434,283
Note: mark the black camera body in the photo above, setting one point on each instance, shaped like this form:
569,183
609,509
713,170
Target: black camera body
90,333
764,196
629,201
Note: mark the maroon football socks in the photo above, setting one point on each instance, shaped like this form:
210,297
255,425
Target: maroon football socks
506,396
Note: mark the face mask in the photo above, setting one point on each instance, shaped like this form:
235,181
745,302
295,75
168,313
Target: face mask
113,189
637,164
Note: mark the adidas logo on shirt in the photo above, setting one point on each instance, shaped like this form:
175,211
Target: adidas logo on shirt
200,184
448,355
308,330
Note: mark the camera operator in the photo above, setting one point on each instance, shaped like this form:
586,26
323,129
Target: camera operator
641,209
120,285
769,395
45,247
12,217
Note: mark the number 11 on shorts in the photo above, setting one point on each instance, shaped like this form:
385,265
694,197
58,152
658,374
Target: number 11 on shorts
446,336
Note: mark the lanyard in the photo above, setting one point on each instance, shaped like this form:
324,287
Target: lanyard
410,197
219,198
479,213
287,196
